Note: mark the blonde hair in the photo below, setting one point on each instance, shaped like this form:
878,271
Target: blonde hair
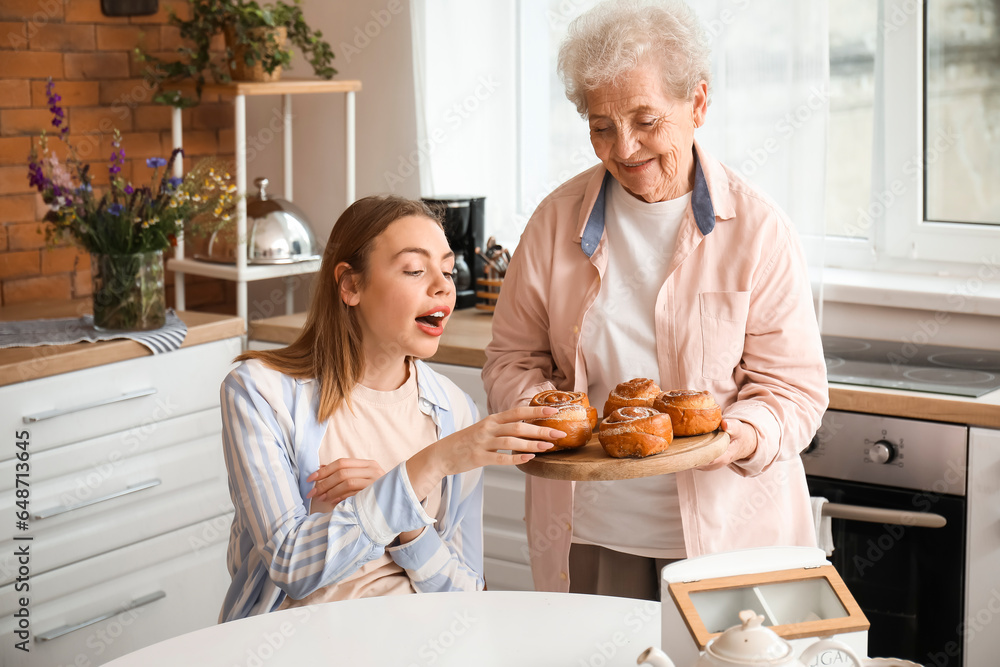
606,43
330,347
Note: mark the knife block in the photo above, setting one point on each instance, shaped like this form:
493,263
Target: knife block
487,292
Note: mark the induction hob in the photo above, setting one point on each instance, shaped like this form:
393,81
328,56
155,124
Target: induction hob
897,365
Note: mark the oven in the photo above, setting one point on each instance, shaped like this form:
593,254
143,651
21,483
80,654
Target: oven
915,504
897,497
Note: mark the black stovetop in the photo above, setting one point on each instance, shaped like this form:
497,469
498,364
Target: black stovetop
897,365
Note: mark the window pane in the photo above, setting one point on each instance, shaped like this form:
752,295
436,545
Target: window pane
962,130
555,140
852,95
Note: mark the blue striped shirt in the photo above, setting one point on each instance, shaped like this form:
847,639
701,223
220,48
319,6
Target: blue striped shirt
271,440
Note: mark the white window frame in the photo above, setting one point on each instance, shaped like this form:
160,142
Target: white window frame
902,240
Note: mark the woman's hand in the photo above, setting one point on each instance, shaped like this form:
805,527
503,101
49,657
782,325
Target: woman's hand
342,479
480,445
742,444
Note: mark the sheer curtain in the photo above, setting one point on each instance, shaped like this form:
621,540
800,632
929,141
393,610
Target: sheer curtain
769,110
465,61
767,119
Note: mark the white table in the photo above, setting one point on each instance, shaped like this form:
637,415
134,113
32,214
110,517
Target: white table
443,629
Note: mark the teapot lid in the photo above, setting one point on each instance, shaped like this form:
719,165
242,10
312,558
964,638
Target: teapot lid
750,642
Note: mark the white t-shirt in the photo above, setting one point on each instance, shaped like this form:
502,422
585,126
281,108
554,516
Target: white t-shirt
635,516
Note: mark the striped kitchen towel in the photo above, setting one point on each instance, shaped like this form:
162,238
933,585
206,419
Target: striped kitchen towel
64,331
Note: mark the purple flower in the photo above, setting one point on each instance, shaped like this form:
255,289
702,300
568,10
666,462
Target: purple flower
155,162
175,182
117,156
36,177
57,113
129,189
115,209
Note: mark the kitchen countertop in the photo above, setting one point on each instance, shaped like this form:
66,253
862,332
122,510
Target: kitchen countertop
18,364
469,330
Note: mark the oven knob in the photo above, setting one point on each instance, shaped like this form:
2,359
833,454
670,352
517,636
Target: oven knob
882,451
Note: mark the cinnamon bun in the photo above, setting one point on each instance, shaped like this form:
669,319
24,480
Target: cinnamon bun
576,418
691,412
635,432
557,397
638,392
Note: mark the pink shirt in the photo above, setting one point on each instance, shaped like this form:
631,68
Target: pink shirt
734,317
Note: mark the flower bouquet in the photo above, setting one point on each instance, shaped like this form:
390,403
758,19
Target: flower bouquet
127,228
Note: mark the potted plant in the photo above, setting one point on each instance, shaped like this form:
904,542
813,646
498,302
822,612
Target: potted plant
127,227
256,35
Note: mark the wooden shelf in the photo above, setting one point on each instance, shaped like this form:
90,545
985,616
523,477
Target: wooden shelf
282,87
241,272
251,273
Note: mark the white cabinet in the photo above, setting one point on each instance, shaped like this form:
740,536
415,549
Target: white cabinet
104,607
982,586
505,542
129,508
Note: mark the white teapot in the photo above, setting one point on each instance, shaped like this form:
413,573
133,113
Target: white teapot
751,644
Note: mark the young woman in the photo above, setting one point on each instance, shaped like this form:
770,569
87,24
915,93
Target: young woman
354,468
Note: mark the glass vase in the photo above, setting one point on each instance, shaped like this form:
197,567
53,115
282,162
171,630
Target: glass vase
128,291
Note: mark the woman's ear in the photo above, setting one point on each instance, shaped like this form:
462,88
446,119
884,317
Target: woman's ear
347,286
700,106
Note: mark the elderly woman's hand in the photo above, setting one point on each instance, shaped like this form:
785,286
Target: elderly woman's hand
742,444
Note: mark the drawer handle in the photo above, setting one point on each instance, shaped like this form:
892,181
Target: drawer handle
62,509
66,629
879,515
31,419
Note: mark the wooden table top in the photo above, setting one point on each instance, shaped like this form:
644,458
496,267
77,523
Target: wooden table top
18,364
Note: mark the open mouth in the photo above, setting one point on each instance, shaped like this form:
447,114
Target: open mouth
633,165
433,319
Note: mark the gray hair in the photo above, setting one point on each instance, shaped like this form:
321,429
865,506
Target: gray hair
607,42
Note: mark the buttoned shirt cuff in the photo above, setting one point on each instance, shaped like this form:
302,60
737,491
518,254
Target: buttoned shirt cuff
389,507
759,417
422,557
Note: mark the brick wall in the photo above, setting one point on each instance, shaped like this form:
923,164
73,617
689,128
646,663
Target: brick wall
89,57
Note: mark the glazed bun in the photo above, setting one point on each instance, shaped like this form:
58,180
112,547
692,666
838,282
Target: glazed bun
556,398
635,432
691,412
638,392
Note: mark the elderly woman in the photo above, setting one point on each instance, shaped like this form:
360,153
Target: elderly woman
662,263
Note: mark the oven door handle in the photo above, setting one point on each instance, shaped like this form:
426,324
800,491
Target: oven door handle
879,515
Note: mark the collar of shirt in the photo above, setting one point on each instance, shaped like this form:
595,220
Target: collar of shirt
430,394
701,203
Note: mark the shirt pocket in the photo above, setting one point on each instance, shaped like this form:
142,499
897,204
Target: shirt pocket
723,330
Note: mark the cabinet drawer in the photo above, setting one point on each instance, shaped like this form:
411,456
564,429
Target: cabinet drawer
180,578
503,494
114,397
95,459
184,496
506,543
504,576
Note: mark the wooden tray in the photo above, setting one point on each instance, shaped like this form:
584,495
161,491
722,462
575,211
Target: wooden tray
591,462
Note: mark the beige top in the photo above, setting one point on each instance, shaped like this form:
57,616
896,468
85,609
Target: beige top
387,427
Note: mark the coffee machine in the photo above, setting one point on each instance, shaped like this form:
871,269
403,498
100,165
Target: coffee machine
464,225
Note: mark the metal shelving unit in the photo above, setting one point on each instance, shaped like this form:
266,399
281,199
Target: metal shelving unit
242,273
